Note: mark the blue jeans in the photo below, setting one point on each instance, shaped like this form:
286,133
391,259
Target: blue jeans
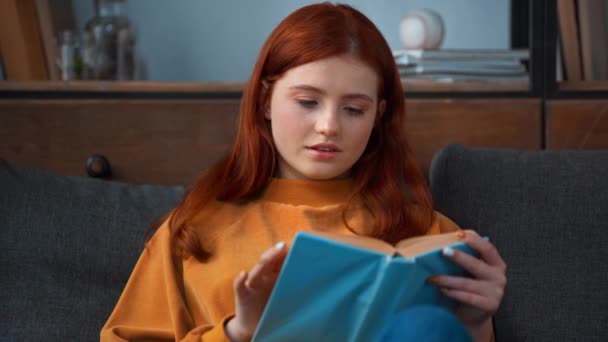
425,323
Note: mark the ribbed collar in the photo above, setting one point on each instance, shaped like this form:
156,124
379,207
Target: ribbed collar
308,192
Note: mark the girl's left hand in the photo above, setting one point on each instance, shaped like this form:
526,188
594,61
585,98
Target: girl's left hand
482,294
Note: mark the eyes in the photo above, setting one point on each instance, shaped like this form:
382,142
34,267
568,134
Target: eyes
307,103
311,104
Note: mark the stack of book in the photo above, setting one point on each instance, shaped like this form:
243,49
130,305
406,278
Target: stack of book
462,65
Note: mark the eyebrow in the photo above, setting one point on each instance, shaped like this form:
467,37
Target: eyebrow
322,92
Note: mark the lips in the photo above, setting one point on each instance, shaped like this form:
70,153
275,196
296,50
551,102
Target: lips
325,148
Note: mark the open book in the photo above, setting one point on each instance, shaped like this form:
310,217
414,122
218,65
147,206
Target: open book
336,287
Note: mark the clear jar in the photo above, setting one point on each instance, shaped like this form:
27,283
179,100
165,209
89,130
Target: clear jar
87,54
113,42
67,55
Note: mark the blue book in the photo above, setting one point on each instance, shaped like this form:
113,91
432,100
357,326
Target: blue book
336,287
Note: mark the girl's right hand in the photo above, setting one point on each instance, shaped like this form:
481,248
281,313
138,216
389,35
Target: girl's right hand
251,292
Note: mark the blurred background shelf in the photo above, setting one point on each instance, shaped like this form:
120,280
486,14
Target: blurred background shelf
177,125
123,86
583,86
465,86
231,87
556,33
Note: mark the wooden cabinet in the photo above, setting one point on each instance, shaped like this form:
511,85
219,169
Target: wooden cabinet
577,124
168,132
171,141
145,141
507,123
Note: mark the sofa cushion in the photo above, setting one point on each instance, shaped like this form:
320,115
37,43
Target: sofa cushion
547,213
68,247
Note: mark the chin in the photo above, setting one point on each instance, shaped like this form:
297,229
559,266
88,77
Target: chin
313,171
326,175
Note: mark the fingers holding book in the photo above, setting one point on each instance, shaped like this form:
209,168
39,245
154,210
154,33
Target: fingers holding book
481,294
478,268
486,249
490,266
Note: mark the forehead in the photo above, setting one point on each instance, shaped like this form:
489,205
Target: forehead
337,75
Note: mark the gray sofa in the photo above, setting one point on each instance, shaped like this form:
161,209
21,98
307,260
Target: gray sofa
68,246
547,212
69,243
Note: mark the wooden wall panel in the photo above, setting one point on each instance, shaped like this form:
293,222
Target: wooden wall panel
505,123
171,141
159,142
576,124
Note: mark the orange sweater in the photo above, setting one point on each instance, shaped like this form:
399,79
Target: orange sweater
169,298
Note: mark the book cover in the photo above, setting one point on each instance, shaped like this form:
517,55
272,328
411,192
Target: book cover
568,30
594,43
332,290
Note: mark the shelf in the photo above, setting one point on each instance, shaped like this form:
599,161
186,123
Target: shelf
583,85
231,87
123,86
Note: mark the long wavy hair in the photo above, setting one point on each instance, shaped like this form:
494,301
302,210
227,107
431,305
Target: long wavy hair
386,177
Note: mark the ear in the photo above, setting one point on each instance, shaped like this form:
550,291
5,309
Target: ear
381,108
267,113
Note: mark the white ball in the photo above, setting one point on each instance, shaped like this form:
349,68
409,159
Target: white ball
421,29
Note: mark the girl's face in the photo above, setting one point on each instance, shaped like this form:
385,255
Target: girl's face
322,114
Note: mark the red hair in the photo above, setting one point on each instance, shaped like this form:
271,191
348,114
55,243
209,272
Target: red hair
386,177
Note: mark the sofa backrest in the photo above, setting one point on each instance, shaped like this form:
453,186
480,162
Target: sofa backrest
68,247
547,213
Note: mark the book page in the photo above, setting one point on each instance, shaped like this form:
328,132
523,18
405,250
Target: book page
358,241
420,244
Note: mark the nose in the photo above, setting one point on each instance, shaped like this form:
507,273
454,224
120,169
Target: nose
328,123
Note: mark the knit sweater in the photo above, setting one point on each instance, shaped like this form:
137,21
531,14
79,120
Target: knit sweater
174,298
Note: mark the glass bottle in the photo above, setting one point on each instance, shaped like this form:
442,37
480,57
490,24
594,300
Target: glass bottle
67,55
113,36
87,52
